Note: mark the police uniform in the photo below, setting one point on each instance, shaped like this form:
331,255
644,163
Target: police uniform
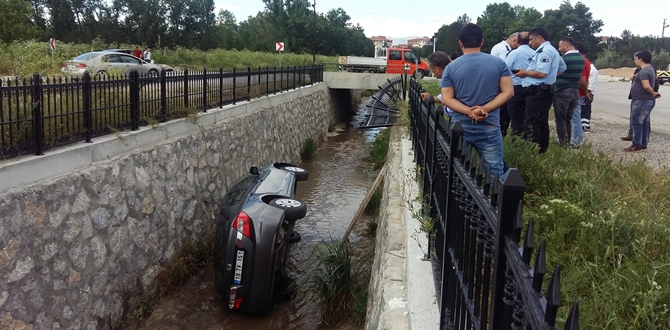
516,106
540,93
502,50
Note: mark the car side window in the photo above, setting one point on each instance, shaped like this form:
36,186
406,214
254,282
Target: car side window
409,56
395,55
130,59
110,59
238,191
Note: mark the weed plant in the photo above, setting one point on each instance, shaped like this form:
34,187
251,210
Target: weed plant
308,149
606,222
380,148
336,281
375,201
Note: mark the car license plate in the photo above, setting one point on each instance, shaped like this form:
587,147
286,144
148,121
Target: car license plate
238,267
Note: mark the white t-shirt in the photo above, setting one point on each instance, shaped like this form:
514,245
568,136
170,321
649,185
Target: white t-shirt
501,49
147,55
593,78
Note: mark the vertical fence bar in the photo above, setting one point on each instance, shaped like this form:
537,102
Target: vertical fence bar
274,82
204,90
186,87
134,100
267,80
220,87
259,80
295,69
163,84
38,129
234,86
88,112
281,78
248,83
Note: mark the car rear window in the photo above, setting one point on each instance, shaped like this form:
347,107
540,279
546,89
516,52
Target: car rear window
85,57
238,191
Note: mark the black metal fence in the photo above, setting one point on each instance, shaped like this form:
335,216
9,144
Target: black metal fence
382,110
44,112
486,280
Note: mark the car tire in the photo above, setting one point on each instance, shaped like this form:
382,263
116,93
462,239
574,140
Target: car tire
301,174
101,74
284,289
418,74
294,237
293,209
152,73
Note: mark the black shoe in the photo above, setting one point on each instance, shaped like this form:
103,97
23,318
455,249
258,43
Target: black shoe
627,138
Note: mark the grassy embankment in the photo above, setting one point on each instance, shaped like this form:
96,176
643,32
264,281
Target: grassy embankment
607,224
25,58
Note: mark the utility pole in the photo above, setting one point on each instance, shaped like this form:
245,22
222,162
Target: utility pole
314,35
663,31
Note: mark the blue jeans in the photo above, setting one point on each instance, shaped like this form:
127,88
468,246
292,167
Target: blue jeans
487,140
639,118
576,121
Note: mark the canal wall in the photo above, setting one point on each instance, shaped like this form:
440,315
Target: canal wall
85,229
401,289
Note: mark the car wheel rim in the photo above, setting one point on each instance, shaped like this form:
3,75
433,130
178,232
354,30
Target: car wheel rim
294,169
288,203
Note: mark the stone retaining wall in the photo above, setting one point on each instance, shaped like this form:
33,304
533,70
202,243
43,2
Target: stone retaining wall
77,249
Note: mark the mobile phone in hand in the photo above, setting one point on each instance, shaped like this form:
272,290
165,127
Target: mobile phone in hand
515,71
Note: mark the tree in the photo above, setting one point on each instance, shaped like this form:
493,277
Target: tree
447,35
497,23
15,21
228,32
576,22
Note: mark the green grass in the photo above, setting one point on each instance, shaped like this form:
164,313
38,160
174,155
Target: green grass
375,201
336,282
606,222
308,149
380,148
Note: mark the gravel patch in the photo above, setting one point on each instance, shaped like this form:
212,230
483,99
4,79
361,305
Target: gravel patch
606,136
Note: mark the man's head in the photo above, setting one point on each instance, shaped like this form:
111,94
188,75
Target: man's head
580,48
537,36
566,44
522,38
137,47
641,58
471,36
437,61
453,56
512,40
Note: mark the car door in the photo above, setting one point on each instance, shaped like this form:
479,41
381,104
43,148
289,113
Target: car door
394,64
411,60
110,63
133,62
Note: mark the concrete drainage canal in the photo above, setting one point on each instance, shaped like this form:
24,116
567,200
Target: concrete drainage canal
341,173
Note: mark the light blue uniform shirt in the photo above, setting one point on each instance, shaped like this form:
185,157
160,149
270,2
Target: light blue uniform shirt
546,60
519,58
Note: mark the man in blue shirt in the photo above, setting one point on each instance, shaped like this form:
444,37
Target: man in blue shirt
516,106
538,80
474,86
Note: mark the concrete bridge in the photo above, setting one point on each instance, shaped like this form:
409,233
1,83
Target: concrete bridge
353,80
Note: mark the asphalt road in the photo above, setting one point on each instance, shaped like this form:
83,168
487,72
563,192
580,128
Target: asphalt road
611,104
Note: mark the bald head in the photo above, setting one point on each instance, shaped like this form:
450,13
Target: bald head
522,38
512,40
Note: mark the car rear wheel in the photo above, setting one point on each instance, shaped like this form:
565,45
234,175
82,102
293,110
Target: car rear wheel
293,209
294,237
153,73
300,173
418,74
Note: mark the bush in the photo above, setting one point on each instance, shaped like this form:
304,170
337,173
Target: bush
380,148
308,149
607,224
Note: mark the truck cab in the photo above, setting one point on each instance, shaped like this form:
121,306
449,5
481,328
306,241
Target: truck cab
403,60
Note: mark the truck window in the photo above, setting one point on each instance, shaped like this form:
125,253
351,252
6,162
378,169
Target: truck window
395,55
409,56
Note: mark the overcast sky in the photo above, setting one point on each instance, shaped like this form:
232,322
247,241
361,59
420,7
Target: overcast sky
396,18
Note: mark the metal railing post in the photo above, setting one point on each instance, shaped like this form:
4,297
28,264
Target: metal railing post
134,100
163,84
234,86
186,87
248,83
220,87
204,90
267,80
274,81
88,113
38,125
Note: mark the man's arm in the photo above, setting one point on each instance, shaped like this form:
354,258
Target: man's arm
647,88
533,74
584,85
506,93
450,101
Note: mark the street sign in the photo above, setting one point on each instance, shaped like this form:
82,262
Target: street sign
279,47
52,43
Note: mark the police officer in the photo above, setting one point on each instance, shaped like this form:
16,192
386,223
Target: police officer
538,81
516,106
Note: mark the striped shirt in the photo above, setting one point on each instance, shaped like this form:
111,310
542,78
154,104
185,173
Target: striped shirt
570,77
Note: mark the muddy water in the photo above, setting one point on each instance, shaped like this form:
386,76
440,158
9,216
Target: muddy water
339,177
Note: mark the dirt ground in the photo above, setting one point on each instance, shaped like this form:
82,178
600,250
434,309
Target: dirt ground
620,72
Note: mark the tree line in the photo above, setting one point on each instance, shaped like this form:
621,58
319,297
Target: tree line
183,23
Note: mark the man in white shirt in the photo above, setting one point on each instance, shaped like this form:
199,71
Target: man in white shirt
586,107
503,48
147,55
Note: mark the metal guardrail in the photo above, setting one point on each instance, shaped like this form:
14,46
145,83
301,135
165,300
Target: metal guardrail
486,279
45,112
382,111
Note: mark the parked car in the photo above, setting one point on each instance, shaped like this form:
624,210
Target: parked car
119,50
254,226
104,62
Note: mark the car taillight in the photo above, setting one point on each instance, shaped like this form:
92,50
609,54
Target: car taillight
238,303
241,223
81,66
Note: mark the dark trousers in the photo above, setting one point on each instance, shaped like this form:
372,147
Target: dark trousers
504,119
516,108
586,114
538,103
565,102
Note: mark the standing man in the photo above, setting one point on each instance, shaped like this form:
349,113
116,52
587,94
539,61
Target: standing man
577,134
147,55
137,52
516,106
502,49
586,108
538,80
475,86
567,89
643,100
